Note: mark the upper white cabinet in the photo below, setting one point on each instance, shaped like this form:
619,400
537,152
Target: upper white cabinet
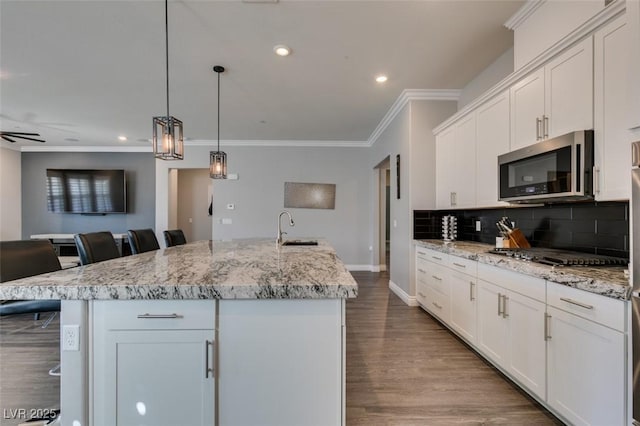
492,139
554,100
537,26
611,53
456,164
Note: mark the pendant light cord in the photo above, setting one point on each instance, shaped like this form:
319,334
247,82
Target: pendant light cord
218,112
166,44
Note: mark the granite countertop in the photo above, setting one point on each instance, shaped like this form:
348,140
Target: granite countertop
607,281
237,269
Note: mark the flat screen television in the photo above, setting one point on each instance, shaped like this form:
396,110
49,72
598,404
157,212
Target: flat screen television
86,191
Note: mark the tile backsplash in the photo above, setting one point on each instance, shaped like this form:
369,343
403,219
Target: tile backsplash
591,227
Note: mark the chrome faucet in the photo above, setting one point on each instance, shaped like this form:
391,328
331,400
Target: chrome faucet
280,233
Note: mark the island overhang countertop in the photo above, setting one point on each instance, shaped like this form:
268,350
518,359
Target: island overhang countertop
236,269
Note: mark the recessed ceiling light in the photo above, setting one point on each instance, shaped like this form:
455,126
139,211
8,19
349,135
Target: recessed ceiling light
282,50
381,78
122,138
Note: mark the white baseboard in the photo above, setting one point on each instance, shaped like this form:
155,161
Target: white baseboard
403,295
382,268
368,268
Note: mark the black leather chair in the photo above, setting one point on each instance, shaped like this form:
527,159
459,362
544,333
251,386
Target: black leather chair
142,240
174,237
22,259
96,247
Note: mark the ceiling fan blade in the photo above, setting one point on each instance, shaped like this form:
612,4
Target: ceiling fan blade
20,133
8,136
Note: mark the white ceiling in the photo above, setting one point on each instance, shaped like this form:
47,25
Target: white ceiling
84,72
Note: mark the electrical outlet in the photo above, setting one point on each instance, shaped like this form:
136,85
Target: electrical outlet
70,337
478,226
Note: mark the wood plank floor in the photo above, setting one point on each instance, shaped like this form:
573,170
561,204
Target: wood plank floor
27,353
405,368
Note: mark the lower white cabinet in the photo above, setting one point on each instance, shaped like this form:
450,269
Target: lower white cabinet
463,304
585,368
492,327
151,363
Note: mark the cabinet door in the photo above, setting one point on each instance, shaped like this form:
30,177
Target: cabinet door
154,377
464,163
586,370
527,106
569,91
527,347
444,162
492,139
611,88
463,305
492,327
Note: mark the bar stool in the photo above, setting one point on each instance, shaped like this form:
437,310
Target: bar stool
96,247
142,240
174,237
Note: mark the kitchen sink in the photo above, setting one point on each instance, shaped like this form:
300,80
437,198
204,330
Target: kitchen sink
300,243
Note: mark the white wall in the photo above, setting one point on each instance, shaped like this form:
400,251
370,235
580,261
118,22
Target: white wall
493,74
10,195
410,135
258,194
193,204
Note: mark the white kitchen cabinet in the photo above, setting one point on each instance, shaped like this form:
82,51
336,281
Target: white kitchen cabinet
510,326
445,149
492,139
456,164
555,99
611,56
154,362
586,370
463,304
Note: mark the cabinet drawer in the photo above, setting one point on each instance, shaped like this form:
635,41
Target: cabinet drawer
154,314
601,309
526,285
438,280
432,255
461,264
421,292
439,305
422,270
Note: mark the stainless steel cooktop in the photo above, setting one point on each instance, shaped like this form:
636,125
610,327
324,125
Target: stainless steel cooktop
558,257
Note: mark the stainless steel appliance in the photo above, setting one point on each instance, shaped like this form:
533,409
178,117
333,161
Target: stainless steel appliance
635,275
558,169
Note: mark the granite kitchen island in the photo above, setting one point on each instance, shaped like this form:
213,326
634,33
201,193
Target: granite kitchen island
236,332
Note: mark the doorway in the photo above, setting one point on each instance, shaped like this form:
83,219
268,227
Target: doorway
192,195
383,173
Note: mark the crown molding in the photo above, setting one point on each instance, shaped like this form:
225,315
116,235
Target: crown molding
284,143
609,12
523,13
405,97
87,148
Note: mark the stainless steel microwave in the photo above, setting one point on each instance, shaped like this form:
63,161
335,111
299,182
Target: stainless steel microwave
558,169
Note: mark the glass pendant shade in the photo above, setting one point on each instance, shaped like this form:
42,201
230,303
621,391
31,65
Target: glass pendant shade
168,143
217,165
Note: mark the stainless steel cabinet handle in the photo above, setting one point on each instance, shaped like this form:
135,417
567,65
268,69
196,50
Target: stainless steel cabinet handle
499,304
436,257
471,284
207,369
538,132
573,302
436,305
159,316
422,270
421,295
504,306
596,180
460,265
547,326
437,278
545,126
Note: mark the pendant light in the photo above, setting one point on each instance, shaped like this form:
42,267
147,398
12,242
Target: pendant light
168,143
218,159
